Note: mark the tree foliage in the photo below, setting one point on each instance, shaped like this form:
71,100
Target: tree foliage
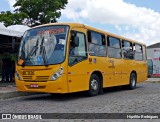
11,19
34,12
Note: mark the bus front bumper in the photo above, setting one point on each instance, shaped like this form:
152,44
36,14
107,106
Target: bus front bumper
58,86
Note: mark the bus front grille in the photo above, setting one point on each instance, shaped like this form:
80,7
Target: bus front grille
35,79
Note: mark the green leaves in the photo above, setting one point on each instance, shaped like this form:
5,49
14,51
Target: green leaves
9,18
33,12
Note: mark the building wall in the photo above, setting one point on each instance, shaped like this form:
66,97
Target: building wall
154,54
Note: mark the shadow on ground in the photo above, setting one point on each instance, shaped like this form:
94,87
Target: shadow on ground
77,95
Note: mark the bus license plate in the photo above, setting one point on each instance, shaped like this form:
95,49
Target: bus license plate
34,85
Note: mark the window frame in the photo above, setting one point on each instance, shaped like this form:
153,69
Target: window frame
137,52
85,57
145,49
120,48
123,49
89,35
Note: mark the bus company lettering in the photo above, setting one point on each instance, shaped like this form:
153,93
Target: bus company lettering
28,72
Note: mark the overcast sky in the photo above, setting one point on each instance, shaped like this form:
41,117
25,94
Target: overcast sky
135,19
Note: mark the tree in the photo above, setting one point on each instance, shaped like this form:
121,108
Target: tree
34,12
11,19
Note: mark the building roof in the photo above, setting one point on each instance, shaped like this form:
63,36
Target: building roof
7,32
157,45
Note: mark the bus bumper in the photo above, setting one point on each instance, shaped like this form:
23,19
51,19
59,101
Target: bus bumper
58,86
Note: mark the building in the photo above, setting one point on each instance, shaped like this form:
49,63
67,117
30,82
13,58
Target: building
154,54
10,41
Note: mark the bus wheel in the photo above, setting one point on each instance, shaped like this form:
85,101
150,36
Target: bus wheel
133,81
94,85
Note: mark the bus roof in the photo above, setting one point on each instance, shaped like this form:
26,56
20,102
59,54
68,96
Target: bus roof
91,28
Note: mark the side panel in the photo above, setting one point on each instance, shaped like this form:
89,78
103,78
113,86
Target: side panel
109,69
126,70
121,71
141,71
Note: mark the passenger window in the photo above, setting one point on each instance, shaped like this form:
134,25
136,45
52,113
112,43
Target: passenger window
96,44
114,48
144,54
114,42
138,52
127,50
77,53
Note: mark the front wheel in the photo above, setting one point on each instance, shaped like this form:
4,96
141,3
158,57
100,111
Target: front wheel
94,85
133,81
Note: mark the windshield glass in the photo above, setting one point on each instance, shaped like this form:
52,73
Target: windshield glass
44,45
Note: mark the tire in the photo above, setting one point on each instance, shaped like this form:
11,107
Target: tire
133,81
94,85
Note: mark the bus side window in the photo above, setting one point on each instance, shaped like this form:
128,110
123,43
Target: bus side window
144,53
96,44
114,48
138,52
127,50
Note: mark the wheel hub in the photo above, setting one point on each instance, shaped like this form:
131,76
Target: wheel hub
94,84
133,81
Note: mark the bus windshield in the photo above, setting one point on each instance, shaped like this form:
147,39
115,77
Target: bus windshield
44,45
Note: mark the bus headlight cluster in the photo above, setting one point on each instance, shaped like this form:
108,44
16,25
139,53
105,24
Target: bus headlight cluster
57,74
17,75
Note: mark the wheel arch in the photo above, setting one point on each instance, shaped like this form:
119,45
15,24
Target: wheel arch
134,73
132,83
99,74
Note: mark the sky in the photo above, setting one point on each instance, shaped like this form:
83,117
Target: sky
135,19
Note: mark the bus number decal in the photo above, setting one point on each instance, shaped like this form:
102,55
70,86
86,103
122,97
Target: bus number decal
112,64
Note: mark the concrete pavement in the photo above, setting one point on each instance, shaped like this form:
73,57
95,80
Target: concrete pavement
153,80
8,90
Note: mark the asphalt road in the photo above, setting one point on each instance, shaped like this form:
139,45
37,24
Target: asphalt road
144,99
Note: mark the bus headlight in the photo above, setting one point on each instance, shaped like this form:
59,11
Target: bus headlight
17,75
57,74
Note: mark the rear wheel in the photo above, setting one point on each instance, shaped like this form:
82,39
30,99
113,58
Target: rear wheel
94,85
133,81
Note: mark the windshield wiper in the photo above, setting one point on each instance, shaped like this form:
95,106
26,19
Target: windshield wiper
34,50
43,52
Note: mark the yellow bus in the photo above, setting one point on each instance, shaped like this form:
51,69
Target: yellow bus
73,57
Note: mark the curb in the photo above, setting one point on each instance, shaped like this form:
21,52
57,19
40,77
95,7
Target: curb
14,94
153,81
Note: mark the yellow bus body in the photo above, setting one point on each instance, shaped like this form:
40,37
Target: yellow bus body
76,78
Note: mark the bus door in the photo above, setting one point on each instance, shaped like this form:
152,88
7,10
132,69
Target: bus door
78,61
